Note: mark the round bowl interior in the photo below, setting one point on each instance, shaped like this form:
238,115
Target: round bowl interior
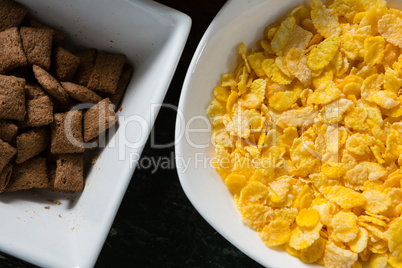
238,21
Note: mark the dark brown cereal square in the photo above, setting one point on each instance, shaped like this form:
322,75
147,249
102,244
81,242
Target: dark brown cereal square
66,133
8,131
39,112
6,153
106,72
50,84
12,98
69,173
31,143
11,14
28,175
33,91
98,119
37,44
87,63
81,93
122,85
64,64
11,52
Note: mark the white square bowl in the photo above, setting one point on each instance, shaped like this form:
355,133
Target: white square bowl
152,36
238,21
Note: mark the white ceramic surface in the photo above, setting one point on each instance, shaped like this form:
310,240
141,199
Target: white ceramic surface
238,21
152,36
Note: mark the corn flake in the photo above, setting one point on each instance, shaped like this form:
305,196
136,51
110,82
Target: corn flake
239,126
333,112
379,260
385,99
235,183
298,117
344,197
378,246
335,257
317,38
279,189
325,208
322,55
314,252
356,177
395,195
222,137
279,77
344,225
296,63
373,47
257,216
255,60
254,193
324,19
377,202
276,233
249,101
389,55
392,82
221,93
231,101
303,156
242,85
394,262
390,27
352,45
300,39
326,93
286,214
304,237
349,79
360,242
283,100
394,112
359,144
371,85
374,14
288,136
228,80
258,88
300,13
216,111
307,218
395,238
375,171
283,34
394,146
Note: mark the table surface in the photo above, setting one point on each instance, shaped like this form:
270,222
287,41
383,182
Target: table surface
156,225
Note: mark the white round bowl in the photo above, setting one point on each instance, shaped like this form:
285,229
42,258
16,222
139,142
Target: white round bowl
238,21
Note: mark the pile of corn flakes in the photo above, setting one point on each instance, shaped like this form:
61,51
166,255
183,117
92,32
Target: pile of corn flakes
308,134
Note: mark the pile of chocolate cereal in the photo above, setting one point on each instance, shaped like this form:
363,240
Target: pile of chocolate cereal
42,133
